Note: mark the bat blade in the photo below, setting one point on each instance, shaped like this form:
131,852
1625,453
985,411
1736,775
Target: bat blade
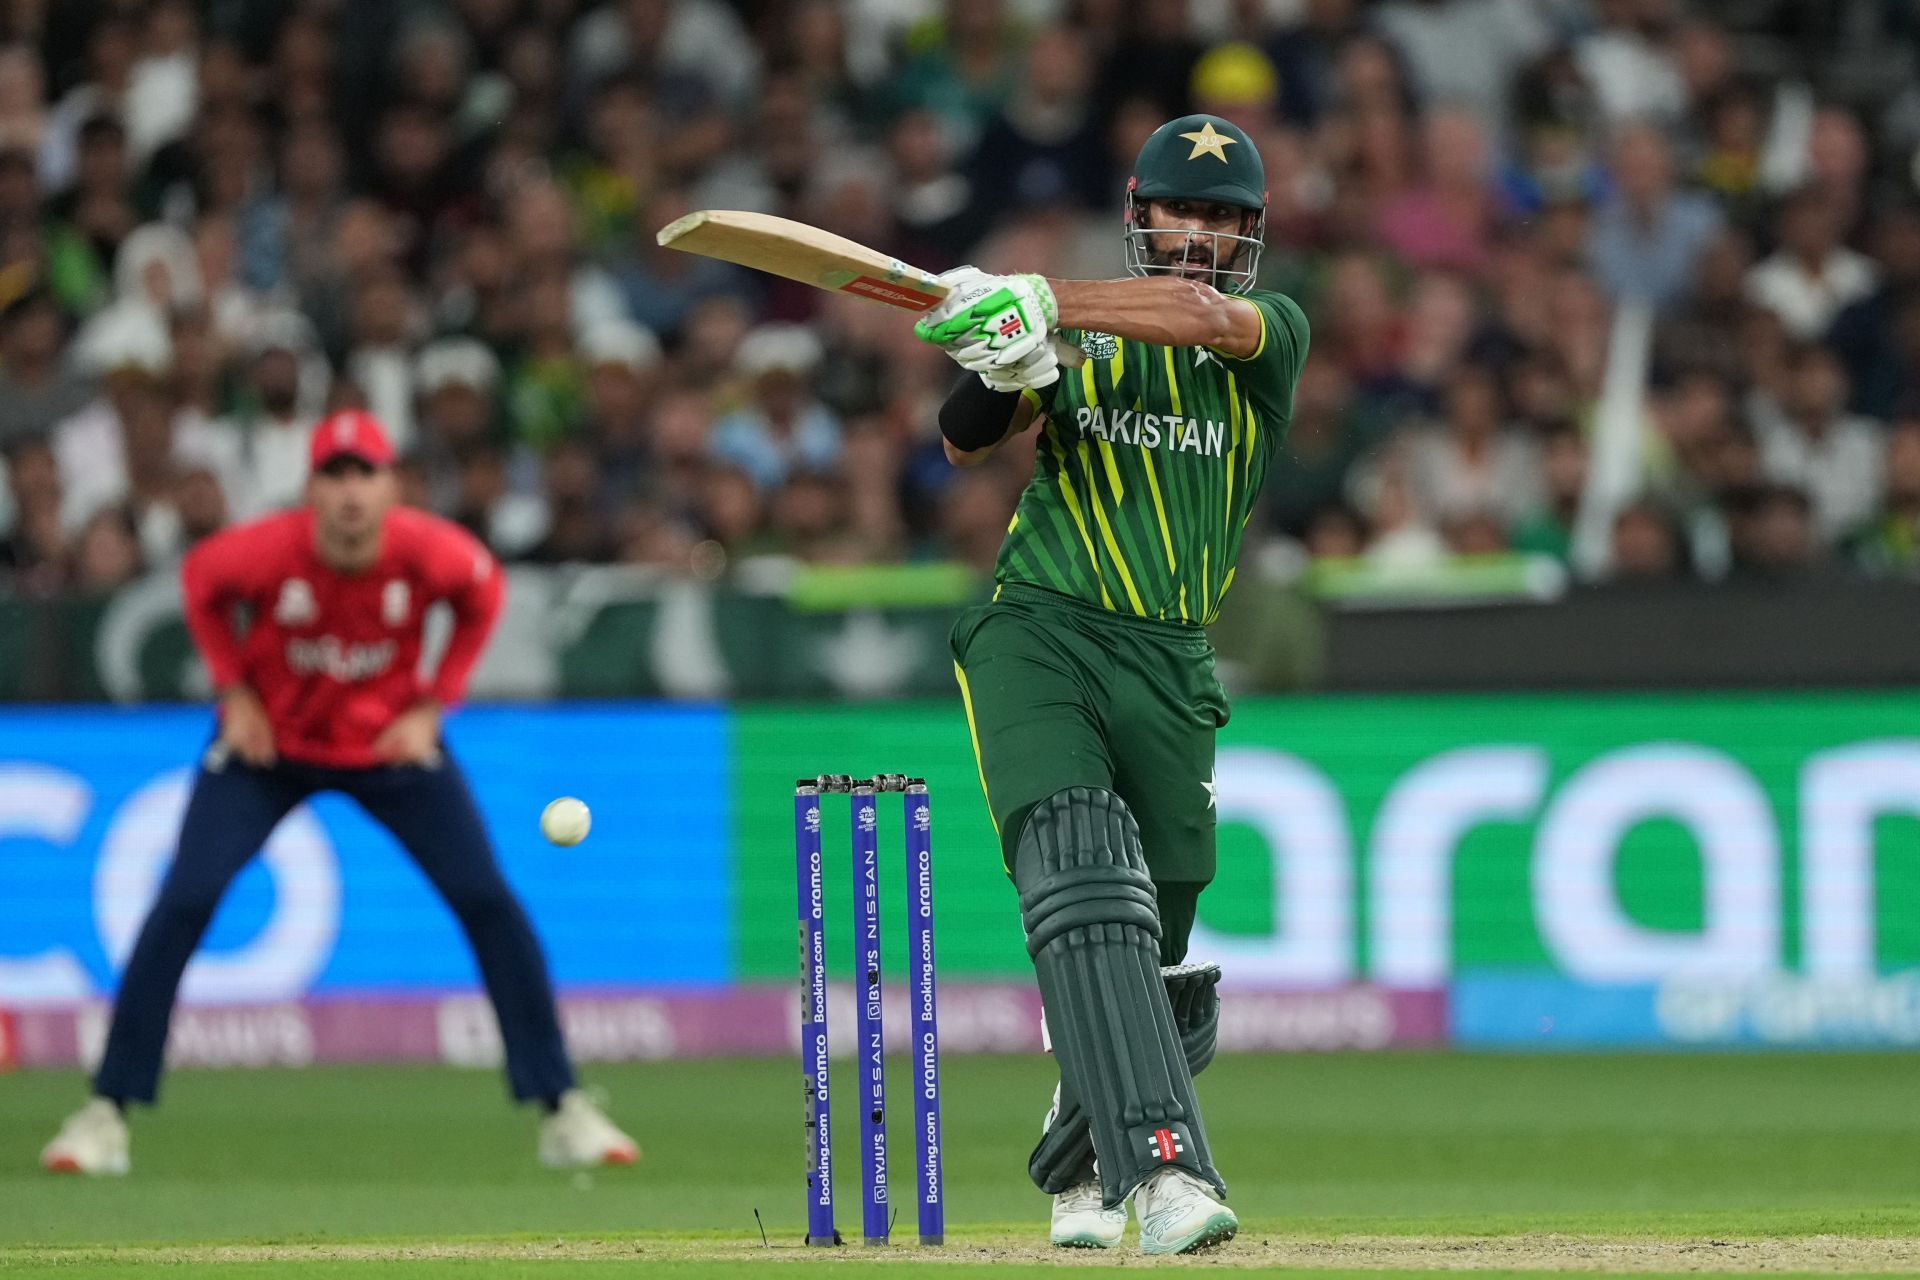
783,247
796,251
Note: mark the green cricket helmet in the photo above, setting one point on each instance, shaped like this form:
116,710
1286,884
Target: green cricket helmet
1202,158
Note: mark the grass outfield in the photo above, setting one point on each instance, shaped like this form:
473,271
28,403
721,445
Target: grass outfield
1660,1164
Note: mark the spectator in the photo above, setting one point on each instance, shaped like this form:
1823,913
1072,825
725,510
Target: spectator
808,515
695,47
1891,540
37,387
1446,222
1648,239
934,206
1732,164
1630,63
1438,327
384,328
1471,464
1646,545
23,97
89,221
544,240
1466,51
283,388
106,553
1400,538
577,530
1836,460
1331,431
1153,60
112,50
729,510
1548,529
1336,532
784,428
1772,533
283,236
163,89
1475,533
1237,81
485,503
661,287
129,352
1694,333
455,380
1304,55
622,367
546,389
1867,333
1812,276
199,504
1042,149
33,546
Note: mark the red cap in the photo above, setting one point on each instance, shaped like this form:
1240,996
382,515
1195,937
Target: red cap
351,433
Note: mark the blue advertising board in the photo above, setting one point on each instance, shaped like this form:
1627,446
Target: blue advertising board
90,802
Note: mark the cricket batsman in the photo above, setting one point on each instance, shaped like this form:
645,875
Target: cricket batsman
1089,681
321,691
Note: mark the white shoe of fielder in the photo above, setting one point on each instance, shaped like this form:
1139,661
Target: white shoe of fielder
578,1133
1179,1214
93,1140
1082,1221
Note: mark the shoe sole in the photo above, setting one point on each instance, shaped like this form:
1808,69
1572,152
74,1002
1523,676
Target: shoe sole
1216,1231
1086,1241
69,1165
612,1156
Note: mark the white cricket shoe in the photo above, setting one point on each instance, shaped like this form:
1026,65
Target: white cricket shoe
579,1133
93,1140
1179,1214
1082,1221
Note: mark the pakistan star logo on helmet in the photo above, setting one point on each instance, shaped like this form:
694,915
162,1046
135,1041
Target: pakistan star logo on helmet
1203,159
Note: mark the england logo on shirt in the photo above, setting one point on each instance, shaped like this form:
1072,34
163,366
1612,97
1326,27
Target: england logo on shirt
394,602
296,606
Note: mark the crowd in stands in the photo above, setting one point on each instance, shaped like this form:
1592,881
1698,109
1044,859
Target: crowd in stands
220,218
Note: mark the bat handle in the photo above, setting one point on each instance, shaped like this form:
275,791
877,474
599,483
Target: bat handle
1070,356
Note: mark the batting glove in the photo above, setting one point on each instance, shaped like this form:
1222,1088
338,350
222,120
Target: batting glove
1035,368
990,321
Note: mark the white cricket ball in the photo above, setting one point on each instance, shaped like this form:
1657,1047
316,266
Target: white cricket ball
565,821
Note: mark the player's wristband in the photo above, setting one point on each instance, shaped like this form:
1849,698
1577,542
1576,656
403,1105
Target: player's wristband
975,415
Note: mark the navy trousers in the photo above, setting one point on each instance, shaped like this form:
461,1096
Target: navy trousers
235,807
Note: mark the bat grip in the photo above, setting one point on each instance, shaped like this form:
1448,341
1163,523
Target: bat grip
1070,356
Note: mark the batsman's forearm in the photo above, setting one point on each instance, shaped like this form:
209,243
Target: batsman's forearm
976,420
1163,310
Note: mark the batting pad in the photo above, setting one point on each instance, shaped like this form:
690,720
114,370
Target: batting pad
1093,930
1064,1155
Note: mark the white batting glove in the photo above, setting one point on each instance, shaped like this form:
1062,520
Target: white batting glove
990,321
1035,368
962,292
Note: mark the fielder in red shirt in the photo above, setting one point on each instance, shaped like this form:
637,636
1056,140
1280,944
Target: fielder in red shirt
310,622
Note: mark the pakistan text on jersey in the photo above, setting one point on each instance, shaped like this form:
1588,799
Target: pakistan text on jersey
325,655
1154,431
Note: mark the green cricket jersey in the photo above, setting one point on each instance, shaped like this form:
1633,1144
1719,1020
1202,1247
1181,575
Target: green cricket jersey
1149,460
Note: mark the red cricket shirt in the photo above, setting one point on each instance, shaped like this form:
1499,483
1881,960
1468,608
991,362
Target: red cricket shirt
336,656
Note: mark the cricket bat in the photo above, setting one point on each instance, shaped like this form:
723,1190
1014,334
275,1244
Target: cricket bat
783,247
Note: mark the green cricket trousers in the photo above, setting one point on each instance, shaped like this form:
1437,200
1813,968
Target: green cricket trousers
1062,694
